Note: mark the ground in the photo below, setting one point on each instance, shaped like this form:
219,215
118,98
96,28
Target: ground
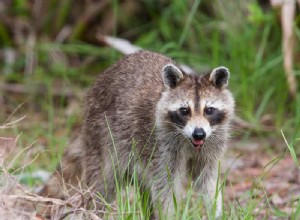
265,179
260,179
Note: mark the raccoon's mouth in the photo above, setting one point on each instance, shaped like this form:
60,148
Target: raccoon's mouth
197,144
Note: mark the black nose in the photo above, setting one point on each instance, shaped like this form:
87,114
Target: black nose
199,134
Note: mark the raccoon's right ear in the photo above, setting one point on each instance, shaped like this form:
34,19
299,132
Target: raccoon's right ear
172,75
219,77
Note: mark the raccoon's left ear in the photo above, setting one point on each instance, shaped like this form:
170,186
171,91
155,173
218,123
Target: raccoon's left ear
172,75
219,77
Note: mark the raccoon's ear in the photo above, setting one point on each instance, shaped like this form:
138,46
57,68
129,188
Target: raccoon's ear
219,77
172,75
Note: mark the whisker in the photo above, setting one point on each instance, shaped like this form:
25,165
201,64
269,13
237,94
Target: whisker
172,123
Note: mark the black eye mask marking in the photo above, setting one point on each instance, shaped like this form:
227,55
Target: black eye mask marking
217,117
178,118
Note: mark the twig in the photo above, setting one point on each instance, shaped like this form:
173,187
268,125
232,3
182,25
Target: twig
13,123
288,9
287,20
39,89
247,125
35,198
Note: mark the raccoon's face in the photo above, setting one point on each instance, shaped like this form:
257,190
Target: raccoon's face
197,107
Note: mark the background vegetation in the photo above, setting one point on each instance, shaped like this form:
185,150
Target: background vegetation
50,53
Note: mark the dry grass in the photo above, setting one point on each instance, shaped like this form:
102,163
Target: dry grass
19,202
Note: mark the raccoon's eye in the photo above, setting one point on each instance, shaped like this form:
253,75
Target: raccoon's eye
184,111
210,111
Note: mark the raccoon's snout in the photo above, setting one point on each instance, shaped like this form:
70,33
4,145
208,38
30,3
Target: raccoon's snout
198,138
199,134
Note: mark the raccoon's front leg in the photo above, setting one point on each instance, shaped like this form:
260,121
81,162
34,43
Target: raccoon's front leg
206,185
161,194
100,180
163,186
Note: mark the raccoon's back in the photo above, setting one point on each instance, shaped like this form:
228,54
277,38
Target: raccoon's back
126,94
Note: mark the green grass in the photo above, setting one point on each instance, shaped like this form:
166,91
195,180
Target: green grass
250,46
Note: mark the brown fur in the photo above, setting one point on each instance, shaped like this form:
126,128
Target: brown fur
127,129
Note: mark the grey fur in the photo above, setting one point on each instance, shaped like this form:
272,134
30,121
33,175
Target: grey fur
129,101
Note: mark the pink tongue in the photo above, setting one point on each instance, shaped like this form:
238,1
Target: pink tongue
198,142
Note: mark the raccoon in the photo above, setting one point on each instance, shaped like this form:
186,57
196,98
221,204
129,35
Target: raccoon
145,115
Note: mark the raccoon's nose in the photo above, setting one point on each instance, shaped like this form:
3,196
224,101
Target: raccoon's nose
199,134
